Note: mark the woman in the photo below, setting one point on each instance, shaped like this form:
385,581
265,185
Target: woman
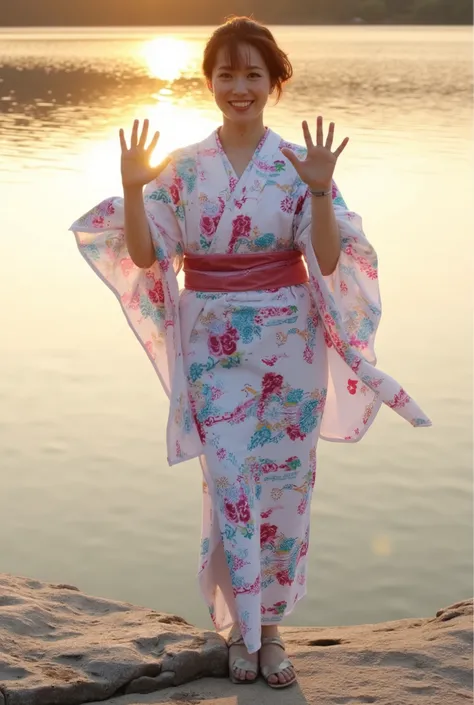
258,359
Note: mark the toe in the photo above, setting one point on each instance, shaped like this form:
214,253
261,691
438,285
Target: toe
250,676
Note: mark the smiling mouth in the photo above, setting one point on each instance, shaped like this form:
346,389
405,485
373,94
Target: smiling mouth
241,104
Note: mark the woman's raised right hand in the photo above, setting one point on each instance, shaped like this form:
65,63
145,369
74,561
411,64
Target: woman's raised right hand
135,160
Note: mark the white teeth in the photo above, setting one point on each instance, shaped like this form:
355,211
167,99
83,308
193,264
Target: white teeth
241,105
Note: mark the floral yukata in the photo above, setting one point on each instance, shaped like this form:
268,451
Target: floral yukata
254,378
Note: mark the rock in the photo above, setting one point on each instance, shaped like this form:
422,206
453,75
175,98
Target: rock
150,685
61,646
404,662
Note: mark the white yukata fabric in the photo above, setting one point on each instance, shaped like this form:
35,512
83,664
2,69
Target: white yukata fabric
254,378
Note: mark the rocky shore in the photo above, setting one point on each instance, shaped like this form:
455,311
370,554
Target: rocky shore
59,646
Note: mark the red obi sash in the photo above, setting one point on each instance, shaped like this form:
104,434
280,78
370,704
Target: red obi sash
244,272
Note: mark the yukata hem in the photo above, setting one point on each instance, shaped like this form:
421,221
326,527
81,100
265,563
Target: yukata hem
375,410
278,620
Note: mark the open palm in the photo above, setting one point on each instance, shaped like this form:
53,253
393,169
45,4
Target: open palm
317,168
135,160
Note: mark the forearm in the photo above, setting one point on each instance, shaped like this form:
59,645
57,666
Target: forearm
325,233
137,232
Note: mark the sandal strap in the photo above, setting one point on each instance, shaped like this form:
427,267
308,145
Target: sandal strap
243,665
277,640
235,641
268,671
235,637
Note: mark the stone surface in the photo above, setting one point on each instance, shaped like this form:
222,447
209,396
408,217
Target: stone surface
58,645
406,662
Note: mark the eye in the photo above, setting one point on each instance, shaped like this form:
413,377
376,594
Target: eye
254,75
224,75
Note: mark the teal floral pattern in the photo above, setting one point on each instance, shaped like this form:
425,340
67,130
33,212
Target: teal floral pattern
254,378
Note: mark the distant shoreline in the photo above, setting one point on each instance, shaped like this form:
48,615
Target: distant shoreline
197,25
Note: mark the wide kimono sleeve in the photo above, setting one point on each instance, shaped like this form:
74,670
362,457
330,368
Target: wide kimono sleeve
353,286
149,298
349,305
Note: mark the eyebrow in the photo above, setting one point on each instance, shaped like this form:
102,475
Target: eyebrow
248,68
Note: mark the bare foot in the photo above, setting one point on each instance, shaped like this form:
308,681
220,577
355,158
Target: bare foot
272,655
237,652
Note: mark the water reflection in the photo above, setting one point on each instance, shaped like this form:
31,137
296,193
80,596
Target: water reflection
40,93
393,510
56,82
169,58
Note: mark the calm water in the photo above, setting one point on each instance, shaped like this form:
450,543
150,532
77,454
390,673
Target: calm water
87,496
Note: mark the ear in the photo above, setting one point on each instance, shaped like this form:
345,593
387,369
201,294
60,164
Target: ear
209,85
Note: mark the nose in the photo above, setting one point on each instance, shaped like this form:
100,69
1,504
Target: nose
240,86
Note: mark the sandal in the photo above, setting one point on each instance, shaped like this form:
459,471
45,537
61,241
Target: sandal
235,639
268,671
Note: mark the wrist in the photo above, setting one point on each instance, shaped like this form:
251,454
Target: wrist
321,195
320,188
132,190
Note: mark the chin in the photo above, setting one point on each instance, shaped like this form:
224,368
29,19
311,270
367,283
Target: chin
243,118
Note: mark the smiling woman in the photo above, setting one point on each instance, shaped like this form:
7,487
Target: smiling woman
259,355
227,43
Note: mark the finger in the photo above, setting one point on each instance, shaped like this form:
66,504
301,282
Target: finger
134,138
291,156
341,147
153,143
319,131
307,135
144,135
123,144
330,137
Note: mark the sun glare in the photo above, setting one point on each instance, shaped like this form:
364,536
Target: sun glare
181,117
168,57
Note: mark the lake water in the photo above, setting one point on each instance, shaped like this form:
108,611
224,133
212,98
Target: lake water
86,494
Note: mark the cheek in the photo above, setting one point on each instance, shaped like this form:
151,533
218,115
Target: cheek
263,92
219,95
217,89
262,88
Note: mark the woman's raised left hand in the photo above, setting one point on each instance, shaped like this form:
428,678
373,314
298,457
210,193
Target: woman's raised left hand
318,168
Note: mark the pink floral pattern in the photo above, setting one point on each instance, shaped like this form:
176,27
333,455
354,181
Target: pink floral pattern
240,229
246,373
225,344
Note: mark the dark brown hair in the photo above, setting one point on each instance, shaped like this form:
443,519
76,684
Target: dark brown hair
242,30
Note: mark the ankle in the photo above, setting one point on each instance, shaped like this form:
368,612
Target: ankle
270,630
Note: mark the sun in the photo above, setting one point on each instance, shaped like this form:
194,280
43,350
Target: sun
167,57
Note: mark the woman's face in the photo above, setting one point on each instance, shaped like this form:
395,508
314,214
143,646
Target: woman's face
241,93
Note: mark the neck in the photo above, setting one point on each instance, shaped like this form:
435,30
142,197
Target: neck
235,135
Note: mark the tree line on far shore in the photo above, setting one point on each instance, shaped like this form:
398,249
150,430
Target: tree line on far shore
36,13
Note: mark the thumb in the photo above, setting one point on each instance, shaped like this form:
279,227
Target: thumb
291,156
161,167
